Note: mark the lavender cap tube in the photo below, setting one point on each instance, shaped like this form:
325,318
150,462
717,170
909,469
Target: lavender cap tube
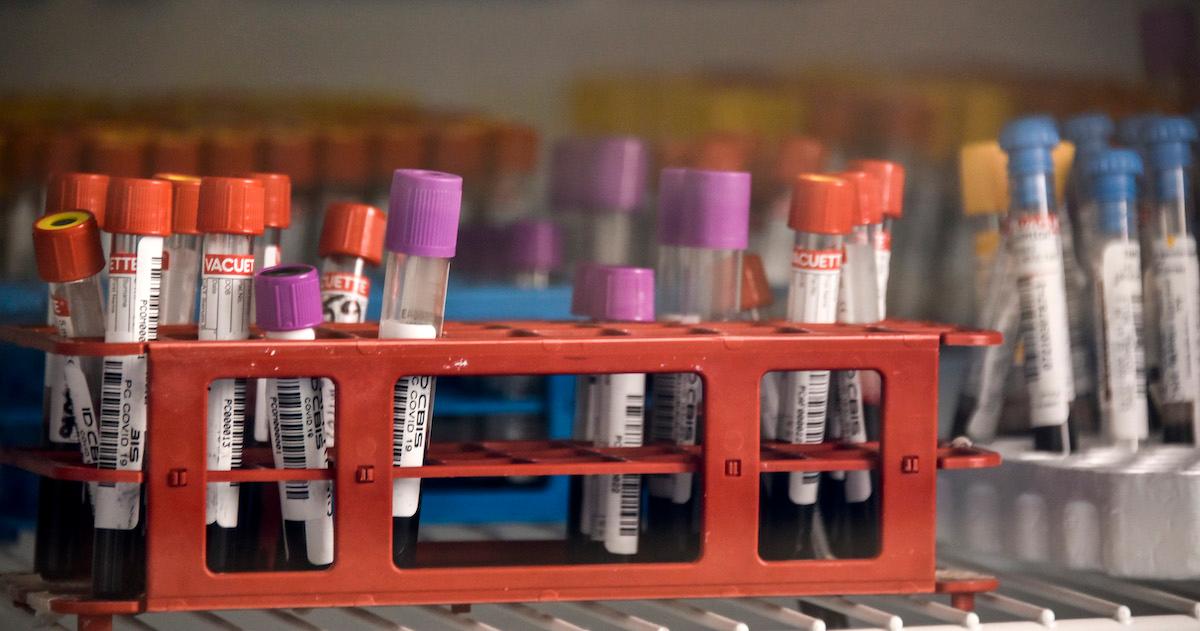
670,220
622,294
423,213
715,210
616,175
288,298
535,244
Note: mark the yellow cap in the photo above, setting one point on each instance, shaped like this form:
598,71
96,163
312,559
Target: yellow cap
1063,155
982,178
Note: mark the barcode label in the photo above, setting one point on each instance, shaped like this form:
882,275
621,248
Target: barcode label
298,442
226,427
110,412
622,414
813,294
679,401
1178,293
412,400
805,405
78,405
1037,257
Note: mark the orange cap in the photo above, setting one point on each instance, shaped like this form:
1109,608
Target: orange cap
756,291
231,205
277,199
822,204
891,183
117,153
353,230
67,246
229,151
398,147
345,157
294,152
62,153
77,191
796,155
138,206
185,201
459,148
723,152
514,148
175,152
867,207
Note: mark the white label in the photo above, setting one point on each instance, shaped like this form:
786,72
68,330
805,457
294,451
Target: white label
853,430
813,296
678,404
77,409
412,406
768,406
344,296
1037,256
622,417
1178,285
225,292
298,442
883,267
134,290
1122,364
1081,334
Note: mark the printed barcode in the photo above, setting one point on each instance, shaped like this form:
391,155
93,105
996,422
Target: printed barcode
110,414
685,385
155,293
662,422
813,399
291,434
1139,366
631,504
634,412
1030,341
239,423
399,414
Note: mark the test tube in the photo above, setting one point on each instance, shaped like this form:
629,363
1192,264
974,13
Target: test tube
851,513
1035,244
292,151
138,216
69,258
268,252
1117,273
79,191
890,176
618,294
288,307
579,513
756,288
612,191
1090,133
821,216
796,155
461,147
1166,143
181,251
231,216
344,160
535,252
422,232
713,229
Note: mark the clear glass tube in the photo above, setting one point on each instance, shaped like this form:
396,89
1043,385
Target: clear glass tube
298,241
180,278
986,240
76,310
774,243
610,237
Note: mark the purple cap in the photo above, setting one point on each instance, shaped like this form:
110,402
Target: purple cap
615,175
534,244
565,161
716,210
288,298
423,213
670,206
581,293
622,294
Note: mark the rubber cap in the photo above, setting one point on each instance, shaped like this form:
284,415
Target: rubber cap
535,245
62,152
821,204
1113,174
622,294
614,179
277,198
891,182
227,152
716,210
353,229
185,202
423,212
344,157
292,152
1167,141
231,205
67,246
78,191
670,219
1028,142
288,298
796,155
1129,129
756,291
513,148
460,147
867,208
723,152
982,178
138,206
175,152
1089,131
117,153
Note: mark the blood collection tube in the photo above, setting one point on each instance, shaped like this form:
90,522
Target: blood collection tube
512,161
890,176
580,546
713,229
612,190
796,155
351,242
231,216
535,252
756,288
181,268
138,216
1090,134
79,191
1117,273
1166,143
288,306
268,252
618,294
292,151
422,231
461,147
822,208
69,258
1037,255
